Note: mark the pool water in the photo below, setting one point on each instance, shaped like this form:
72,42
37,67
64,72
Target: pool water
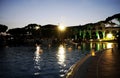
40,61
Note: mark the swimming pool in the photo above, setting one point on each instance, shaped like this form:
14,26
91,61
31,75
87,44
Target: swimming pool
41,62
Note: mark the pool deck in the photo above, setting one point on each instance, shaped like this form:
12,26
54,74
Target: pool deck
105,64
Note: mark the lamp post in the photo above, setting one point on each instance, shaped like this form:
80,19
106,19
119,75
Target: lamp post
37,30
37,27
61,29
109,36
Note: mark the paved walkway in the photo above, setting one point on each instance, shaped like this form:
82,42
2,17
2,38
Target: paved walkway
106,64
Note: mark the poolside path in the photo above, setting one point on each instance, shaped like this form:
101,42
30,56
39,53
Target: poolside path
105,64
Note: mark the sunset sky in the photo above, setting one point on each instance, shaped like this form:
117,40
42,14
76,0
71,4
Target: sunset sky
20,13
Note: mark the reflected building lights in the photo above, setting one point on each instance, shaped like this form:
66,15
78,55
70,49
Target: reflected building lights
109,45
103,45
91,45
79,47
69,49
61,55
92,52
37,54
84,47
98,46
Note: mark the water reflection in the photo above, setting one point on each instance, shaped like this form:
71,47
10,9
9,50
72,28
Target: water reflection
103,45
61,55
52,63
70,49
92,52
96,46
37,59
109,45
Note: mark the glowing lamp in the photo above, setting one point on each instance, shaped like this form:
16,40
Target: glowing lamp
61,27
37,27
109,36
92,52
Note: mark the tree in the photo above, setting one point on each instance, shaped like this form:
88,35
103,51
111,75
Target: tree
117,16
33,29
49,31
3,28
17,31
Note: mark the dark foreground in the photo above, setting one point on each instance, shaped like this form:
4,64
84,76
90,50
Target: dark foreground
106,64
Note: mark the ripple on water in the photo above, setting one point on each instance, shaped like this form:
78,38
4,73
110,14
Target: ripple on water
24,62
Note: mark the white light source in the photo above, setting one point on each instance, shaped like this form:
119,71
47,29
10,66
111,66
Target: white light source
61,55
61,27
109,36
37,27
109,45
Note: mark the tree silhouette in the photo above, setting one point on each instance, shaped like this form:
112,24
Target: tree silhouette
3,28
33,29
49,31
116,16
17,31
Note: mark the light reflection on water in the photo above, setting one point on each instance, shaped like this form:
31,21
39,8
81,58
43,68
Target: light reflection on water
37,59
96,45
37,54
109,45
43,62
61,55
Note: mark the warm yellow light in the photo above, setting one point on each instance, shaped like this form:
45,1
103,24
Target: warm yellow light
37,59
92,52
109,45
79,47
109,36
70,49
37,27
100,40
38,49
61,55
61,27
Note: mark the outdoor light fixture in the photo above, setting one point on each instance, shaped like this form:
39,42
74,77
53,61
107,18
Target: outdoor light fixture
109,36
92,52
61,27
37,27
